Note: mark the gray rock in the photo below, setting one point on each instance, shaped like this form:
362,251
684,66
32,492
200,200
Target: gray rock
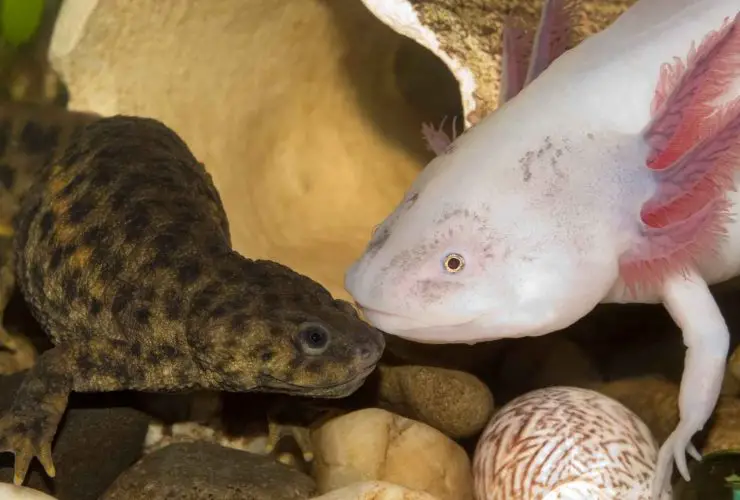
92,447
201,470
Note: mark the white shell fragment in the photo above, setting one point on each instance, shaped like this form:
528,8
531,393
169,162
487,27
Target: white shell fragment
402,17
563,443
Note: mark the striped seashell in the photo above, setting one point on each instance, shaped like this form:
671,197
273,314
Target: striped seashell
563,443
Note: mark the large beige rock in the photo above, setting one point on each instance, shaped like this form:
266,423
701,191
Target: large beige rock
12,492
291,104
374,444
375,490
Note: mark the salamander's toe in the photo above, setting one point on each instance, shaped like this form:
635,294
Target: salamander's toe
26,441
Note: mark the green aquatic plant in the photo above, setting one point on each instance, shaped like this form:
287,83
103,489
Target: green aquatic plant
24,26
733,481
20,20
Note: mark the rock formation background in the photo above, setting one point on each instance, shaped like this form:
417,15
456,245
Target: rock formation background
306,112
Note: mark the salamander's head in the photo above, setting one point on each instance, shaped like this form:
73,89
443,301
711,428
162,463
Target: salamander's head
481,248
268,328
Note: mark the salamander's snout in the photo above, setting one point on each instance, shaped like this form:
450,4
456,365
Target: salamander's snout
370,351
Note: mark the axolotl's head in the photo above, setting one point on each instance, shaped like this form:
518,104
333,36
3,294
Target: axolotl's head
486,246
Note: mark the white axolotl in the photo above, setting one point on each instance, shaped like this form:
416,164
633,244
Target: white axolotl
609,178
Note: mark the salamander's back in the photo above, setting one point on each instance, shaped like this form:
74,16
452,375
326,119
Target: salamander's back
30,136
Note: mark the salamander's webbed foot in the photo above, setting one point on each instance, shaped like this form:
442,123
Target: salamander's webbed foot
26,442
302,435
28,427
298,422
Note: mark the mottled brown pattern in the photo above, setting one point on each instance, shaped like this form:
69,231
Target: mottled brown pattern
124,256
564,439
30,135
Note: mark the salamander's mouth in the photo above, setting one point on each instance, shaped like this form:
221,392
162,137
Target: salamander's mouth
330,391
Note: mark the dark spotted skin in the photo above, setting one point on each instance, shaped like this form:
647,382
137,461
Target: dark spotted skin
30,136
123,254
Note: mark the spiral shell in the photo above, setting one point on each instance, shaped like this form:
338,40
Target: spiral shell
565,443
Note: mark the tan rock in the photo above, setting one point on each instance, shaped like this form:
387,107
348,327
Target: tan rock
12,492
292,106
375,490
730,383
724,430
653,399
374,444
733,363
452,401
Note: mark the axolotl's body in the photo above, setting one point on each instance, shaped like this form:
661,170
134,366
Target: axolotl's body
609,178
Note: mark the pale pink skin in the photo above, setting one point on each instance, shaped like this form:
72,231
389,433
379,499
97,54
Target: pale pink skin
543,200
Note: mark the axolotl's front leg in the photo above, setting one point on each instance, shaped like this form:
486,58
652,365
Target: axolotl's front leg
693,141
707,340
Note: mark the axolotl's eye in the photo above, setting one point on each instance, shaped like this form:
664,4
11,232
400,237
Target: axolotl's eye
454,263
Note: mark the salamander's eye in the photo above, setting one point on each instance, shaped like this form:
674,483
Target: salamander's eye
454,263
314,338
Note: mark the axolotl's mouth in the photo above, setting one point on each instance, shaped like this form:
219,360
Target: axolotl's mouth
413,329
477,327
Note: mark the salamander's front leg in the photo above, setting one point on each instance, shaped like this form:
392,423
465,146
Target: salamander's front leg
28,427
302,436
707,340
297,420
